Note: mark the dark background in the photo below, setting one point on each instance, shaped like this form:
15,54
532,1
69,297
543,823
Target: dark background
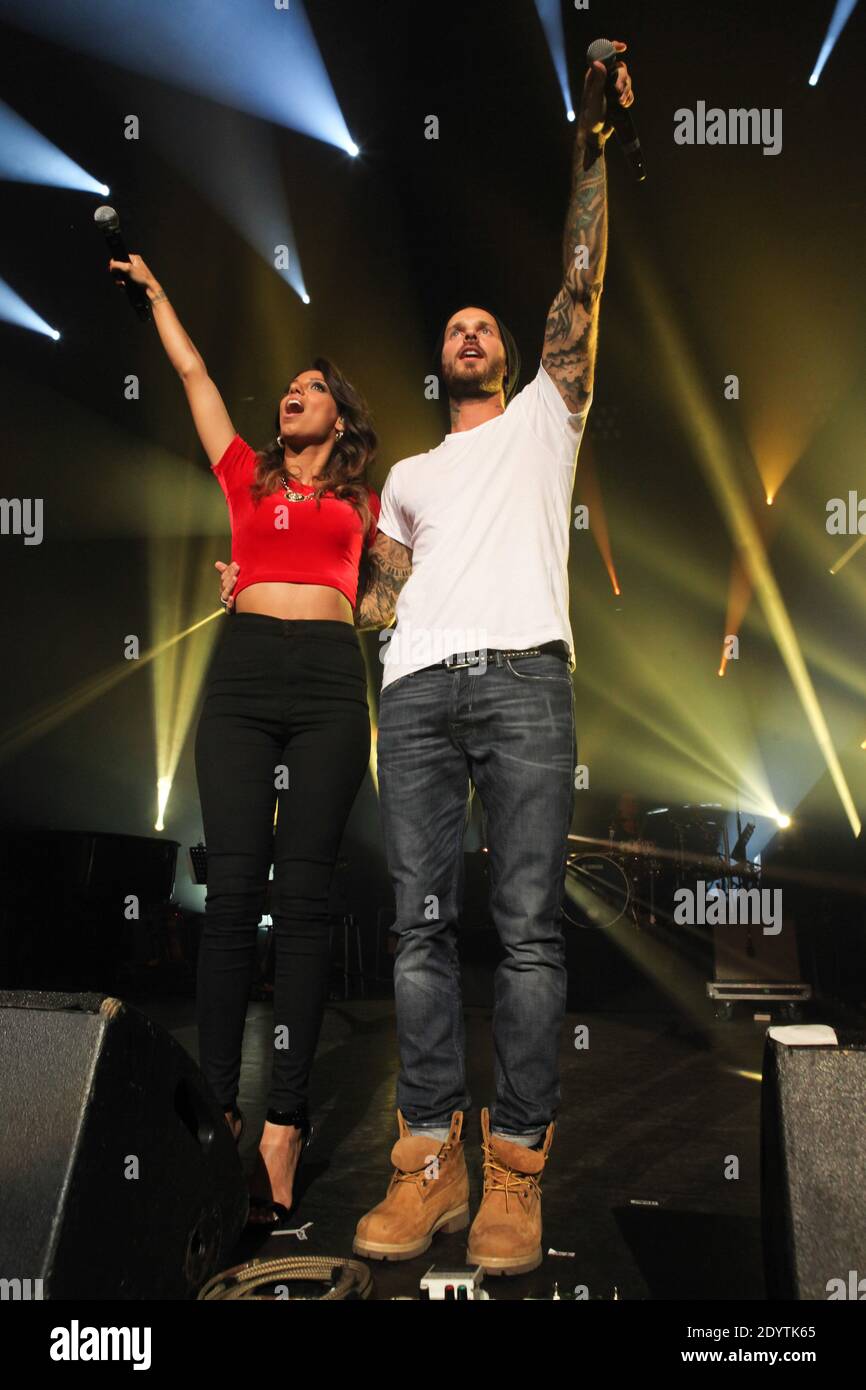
755,261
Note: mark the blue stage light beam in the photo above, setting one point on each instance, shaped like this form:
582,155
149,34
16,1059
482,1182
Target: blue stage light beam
28,157
550,14
233,162
255,57
14,310
841,15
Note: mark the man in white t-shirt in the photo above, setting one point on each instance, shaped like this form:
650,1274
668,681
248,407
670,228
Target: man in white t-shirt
477,688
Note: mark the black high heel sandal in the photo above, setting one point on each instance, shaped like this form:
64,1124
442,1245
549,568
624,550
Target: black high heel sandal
300,1119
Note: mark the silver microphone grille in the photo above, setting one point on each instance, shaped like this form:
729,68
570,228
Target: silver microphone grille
599,51
106,218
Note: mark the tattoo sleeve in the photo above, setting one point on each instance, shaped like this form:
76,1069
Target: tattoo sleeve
384,571
571,334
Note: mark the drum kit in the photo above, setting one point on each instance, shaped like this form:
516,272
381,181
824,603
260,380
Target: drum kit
636,878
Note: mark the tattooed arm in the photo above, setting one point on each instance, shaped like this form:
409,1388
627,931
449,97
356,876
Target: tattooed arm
571,334
386,567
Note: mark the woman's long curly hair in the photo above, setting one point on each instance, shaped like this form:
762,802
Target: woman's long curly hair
345,473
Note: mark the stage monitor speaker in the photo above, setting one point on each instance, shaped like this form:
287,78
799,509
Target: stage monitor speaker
119,1178
745,953
73,866
813,1178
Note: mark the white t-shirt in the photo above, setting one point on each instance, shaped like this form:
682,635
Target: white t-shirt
487,517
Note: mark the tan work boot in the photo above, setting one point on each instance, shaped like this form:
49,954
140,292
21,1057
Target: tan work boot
506,1234
428,1192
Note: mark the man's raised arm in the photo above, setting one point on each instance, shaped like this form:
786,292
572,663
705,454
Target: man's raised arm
572,325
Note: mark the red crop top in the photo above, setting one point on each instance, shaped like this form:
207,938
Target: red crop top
277,541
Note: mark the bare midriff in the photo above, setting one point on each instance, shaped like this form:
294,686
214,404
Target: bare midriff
313,601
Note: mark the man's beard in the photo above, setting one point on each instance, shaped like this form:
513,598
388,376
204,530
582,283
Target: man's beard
474,388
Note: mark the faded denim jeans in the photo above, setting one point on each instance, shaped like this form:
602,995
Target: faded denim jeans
510,729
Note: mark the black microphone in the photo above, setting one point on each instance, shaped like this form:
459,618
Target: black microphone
603,51
108,222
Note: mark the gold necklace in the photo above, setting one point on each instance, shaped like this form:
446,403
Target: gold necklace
292,496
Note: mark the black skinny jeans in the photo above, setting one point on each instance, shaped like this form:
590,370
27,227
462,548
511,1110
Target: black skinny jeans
286,701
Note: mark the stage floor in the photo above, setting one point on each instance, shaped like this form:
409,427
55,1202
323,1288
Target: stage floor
635,1185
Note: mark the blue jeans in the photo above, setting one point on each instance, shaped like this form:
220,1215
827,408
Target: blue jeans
511,730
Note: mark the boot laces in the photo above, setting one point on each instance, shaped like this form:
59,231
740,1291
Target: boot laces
498,1177
419,1175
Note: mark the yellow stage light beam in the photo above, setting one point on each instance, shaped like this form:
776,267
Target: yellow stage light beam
846,672
181,580
800,523
780,431
737,785
682,568
52,713
714,456
849,553
690,715
782,419
668,707
674,973
714,780
163,787
669,562
590,492
739,593
373,650
773,467
740,589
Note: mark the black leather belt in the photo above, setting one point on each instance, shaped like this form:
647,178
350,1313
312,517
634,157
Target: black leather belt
497,656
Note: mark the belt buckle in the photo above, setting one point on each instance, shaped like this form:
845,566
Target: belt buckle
470,659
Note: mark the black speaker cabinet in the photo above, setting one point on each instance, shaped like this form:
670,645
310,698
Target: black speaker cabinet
744,953
813,1170
119,1178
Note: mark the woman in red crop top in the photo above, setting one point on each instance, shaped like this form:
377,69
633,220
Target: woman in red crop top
284,732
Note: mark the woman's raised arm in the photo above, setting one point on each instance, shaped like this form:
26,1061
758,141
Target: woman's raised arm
210,417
